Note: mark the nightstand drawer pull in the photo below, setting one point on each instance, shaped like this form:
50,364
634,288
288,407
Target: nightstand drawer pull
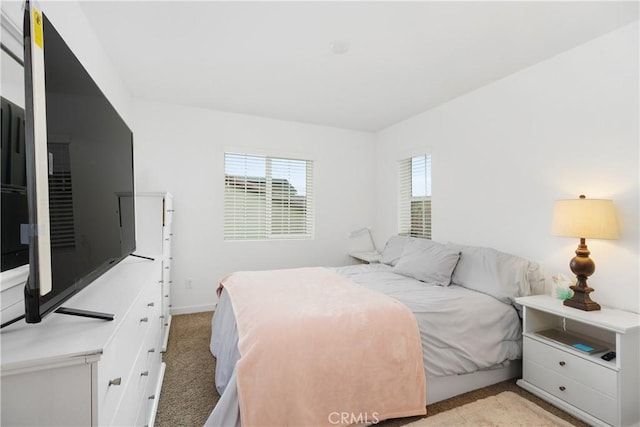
116,381
561,363
144,319
562,388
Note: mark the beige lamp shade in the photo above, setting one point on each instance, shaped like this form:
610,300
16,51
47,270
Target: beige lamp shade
588,218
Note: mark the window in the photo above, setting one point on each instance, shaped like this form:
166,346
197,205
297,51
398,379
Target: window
415,197
267,198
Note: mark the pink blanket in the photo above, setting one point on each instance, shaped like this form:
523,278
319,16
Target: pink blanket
317,349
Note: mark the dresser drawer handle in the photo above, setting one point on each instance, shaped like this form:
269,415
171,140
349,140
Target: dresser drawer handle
151,304
144,374
144,319
116,381
562,363
153,396
562,388
151,350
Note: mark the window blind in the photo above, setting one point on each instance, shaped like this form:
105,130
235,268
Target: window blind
267,198
414,197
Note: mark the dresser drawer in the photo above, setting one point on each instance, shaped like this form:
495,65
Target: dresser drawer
577,394
143,374
151,393
115,366
145,368
132,395
578,369
120,354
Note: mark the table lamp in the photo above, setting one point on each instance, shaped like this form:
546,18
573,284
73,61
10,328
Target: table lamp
362,240
584,218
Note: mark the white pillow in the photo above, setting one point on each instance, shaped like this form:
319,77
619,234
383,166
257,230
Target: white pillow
393,250
499,274
427,261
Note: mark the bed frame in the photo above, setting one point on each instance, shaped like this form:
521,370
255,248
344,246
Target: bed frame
441,388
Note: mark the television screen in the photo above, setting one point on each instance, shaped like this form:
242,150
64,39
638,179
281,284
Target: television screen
14,186
89,164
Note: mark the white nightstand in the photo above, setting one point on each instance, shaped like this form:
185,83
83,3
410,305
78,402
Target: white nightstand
583,384
369,257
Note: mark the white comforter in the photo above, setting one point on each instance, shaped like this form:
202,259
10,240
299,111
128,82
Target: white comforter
462,331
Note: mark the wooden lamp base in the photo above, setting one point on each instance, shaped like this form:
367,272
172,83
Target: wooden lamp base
583,267
581,299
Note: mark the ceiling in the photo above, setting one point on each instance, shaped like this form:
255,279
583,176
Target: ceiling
275,59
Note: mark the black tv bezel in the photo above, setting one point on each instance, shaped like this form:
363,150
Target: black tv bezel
35,308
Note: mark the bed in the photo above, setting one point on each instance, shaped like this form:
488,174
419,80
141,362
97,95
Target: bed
462,300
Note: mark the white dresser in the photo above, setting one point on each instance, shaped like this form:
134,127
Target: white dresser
70,370
597,391
154,236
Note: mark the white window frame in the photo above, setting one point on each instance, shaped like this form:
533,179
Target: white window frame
250,209
414,196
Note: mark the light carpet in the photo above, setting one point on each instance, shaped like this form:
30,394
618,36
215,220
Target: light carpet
504,409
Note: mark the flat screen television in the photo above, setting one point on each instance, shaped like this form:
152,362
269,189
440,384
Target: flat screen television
80,179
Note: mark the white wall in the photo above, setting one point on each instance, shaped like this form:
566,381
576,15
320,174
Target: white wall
502,154
180,150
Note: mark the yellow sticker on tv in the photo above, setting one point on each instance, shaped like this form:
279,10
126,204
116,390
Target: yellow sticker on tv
37,28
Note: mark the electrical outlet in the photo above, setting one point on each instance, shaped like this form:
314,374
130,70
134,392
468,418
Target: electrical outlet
187,283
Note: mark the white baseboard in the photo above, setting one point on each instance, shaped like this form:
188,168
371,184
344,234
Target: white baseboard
192,309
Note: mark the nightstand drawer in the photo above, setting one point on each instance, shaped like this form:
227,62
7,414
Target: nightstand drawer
571,391
580,370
